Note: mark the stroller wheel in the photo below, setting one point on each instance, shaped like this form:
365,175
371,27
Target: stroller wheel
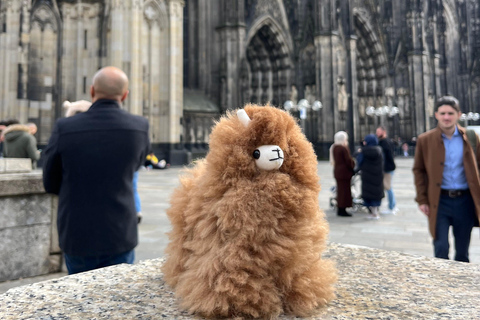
333,203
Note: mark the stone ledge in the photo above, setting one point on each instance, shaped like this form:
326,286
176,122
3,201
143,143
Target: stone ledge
373,284
21,183
13,165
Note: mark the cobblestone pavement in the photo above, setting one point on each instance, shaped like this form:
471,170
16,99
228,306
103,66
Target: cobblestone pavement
405,232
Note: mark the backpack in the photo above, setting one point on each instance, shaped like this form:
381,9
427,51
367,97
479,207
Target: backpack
472,139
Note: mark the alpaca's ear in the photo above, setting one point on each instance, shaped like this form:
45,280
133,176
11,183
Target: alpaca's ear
243,117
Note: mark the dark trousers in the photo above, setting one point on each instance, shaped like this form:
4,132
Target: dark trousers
76,264
459,213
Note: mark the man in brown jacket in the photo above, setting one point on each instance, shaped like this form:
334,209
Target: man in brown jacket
447,180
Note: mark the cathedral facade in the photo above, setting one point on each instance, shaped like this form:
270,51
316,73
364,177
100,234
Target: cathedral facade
191,60
348,54
50,50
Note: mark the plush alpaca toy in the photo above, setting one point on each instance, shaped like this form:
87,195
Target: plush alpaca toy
247,230
76,107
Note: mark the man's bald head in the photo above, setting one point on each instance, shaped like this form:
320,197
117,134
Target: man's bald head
109,83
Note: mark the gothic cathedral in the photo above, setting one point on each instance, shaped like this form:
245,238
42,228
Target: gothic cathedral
191,60
348,54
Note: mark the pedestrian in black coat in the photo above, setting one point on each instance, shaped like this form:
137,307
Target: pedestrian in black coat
370,162
89,162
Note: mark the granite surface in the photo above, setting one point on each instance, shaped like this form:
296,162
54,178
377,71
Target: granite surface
28,234
21,183
25,252
373,284
25,210
10,165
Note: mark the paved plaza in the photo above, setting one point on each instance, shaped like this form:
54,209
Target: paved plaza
405,232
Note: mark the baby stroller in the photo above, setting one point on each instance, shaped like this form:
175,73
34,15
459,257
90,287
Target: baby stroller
356,189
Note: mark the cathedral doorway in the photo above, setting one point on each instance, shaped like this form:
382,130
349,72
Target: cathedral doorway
268,68
371,75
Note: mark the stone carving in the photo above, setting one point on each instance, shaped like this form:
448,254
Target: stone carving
310,93
362,107
342,96
294,94
273,8
402,101
156,11
44,16
176,9
389,94
431,104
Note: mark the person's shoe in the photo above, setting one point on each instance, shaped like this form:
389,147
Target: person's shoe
372,216
343,213
389,211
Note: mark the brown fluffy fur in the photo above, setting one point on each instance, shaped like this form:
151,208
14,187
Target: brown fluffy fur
246,242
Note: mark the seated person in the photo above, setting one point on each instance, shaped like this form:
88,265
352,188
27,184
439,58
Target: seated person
152,162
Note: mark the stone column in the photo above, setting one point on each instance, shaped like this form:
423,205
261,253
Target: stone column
325,84
232,50
10,66
135,75
175,9
79,46
117,35
23,72
418,72
352,91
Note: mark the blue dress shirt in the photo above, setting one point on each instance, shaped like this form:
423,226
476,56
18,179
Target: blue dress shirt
453,171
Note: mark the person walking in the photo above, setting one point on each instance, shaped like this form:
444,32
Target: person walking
343,165
388,168
447,182
370,163
97,221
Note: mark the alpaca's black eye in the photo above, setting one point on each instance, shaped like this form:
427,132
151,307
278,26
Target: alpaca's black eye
256,154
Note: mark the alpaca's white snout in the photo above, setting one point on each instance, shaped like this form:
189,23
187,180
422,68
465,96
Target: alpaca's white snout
268,157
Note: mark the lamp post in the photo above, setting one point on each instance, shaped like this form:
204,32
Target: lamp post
303,108
382,112
469,116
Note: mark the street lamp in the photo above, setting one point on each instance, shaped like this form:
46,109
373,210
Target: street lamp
469,116
302,107
381,112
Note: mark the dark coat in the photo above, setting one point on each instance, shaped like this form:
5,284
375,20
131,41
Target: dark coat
388,153
343,171
344,163
89,162
372,173
428,171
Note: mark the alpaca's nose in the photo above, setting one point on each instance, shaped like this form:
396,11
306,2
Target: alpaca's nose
268,157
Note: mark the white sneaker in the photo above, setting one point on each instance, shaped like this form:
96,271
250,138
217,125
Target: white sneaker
388,211
372,216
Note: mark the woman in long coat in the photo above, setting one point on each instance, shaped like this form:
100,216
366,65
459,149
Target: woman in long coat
343,165
370,162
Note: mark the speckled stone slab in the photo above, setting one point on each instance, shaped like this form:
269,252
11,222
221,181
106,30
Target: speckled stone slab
11,165
28,234
21,183
373,284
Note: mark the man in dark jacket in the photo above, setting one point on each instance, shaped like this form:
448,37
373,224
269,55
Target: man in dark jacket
388,168
89,162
